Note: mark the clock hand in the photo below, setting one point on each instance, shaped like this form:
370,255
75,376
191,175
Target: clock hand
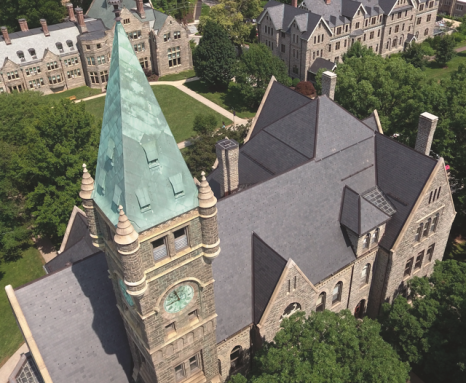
176,295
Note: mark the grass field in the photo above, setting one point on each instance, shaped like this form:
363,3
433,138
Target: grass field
179,110
437,73
80,93
229,100
178,76
26,269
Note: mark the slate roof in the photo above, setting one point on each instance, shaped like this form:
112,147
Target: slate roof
294,173
78,304
139,165
78,246
321,63
35,39
371,122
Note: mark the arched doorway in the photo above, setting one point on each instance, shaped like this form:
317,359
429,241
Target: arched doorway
360,308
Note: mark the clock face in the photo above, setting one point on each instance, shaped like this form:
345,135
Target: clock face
129,298
178,298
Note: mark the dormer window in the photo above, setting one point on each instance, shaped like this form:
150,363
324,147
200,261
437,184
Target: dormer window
177,185
59,47
143,199
110,150
21,55
375,235
150,147
32,52
69,43
101,182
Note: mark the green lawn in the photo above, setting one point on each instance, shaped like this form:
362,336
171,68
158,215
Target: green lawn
178,76
26,269
80,93
179,110
229,100
436,73
205,10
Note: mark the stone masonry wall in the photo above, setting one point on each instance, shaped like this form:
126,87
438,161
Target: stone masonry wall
224,349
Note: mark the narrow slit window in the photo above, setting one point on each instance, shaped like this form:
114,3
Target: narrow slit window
320,306
143,199
177,185
419,259
152,155
434,223
438,193
430,252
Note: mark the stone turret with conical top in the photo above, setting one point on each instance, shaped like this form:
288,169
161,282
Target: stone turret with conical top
87,187
127,241
208,214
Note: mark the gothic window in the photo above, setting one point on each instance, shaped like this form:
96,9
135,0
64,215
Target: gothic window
320,306
366,241
159,249
419,259
174,58
427,228
365,273
375,235
430,252
181,239
419,232
408,267
394,42
336,295
426,32
236,357
434,223
290,310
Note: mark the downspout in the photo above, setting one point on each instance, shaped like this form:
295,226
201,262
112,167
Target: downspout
350,287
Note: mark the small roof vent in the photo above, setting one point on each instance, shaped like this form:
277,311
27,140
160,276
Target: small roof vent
116,196
143,199
110,150
101,182
177,185
152,155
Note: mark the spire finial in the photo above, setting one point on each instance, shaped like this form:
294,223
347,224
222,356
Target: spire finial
87,184
206,195
125,233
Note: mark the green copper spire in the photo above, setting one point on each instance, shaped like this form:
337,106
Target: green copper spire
139,165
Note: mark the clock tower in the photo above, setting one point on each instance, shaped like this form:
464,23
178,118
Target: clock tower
157,229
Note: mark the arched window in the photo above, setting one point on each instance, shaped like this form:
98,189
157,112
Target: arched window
366,241
290,310
417,35
320,306
336,295
434,223
426,32
375,235
394,42
419,232
366,271
236,357
219,367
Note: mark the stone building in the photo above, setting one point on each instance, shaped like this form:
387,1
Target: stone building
164,279
320,31
77,52
455,8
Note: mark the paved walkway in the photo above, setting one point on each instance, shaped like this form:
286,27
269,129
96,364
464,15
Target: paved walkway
9,366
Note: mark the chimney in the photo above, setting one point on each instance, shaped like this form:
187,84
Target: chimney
80,17
140,7
425,132
329,82
23,24
228,154
6,37
45,29
294,3
71,17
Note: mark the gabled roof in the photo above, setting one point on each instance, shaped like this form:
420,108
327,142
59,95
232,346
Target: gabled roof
139,165
349,8
321,63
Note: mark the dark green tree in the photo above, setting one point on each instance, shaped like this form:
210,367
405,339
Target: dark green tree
205,123
255,68
358,50
445,50
328,347
214,57
11,10
431,333
414,55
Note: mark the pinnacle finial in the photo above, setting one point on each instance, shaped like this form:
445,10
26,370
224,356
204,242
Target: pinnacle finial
206,195
87,184
125,233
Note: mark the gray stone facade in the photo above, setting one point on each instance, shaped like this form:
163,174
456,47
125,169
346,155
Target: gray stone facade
455,8
383,31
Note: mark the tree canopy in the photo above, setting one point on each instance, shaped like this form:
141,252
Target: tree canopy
414,55
327,347
43,147
445,50
431,333
255,68
215,57
11,10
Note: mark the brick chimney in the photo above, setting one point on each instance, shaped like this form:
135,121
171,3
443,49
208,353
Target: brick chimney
294,3
70,9
228,154
329,82
425,132
80,17
140,8
23,24
6,37
45,28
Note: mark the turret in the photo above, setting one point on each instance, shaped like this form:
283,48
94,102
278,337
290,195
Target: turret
208,214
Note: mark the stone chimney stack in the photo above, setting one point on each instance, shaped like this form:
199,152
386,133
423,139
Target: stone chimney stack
23,24
425,132
6,37
45,28
228,155
294,3
140,8
70,9
80,17
329,82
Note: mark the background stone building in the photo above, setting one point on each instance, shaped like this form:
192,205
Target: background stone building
325,29
452,7
77,52
167,279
